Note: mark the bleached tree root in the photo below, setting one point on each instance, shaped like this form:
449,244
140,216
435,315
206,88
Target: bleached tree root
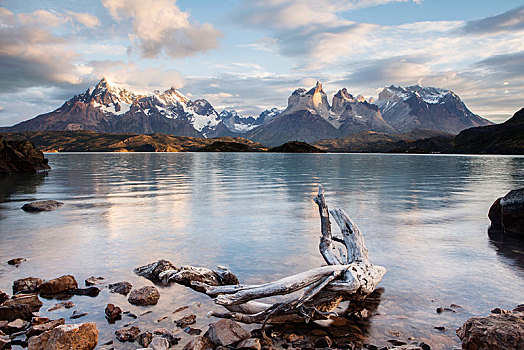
349,275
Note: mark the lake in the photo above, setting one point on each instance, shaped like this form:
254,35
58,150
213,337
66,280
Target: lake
424,218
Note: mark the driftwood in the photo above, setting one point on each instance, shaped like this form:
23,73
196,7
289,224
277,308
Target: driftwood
348,276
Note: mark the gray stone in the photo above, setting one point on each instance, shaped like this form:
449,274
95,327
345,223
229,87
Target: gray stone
159,343
120,287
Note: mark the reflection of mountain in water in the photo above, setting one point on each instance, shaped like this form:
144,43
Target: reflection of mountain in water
508,245
19,183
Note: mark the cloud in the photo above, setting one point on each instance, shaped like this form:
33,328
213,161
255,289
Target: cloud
312,31
31,55
137,78
85,19
161,27
512,20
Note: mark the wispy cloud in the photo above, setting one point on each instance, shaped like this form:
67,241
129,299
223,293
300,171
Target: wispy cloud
512,20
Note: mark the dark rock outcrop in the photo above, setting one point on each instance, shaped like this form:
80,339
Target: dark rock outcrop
505,138
507,213
296,147
494,332
21,157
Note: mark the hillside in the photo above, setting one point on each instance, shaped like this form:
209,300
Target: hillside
89,141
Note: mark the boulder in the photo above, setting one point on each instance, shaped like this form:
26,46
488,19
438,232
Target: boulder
127,334
153,270
27,285
113,313
25,299
507,213
12,312
120,287
226,332
82,336
41,206
37,329
147,295
58,285
199,343
20,157
91,281
496,331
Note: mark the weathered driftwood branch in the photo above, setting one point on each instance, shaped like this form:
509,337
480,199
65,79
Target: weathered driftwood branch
348,276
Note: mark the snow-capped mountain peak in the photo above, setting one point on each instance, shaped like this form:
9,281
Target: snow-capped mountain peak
426,93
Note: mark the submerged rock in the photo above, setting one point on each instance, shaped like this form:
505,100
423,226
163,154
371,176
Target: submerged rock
27,285
42,206
77,314
58,285
16,261
147,295
82,336
66,304
507,213
91,291
496,331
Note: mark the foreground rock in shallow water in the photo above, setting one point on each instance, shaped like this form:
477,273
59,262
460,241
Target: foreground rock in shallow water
58,285
496,331
148,295
21,157
42,206
27,285
83,336
507,213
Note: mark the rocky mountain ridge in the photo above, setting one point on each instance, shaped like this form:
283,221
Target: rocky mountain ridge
110,107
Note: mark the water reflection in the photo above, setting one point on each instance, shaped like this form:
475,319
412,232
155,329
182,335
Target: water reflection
508,245
424,219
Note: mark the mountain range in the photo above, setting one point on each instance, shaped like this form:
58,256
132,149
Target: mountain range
112,108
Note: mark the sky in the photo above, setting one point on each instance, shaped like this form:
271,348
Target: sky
249,55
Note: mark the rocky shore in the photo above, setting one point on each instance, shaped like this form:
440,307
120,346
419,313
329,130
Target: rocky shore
22,325
21,157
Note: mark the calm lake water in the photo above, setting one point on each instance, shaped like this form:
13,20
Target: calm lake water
424,218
